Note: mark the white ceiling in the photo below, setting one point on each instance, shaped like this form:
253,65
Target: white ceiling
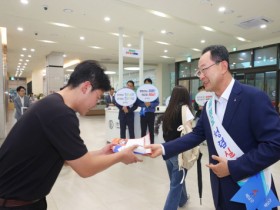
183,24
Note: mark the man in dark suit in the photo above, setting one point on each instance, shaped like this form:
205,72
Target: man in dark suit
21,101
248,121
110,99
126,115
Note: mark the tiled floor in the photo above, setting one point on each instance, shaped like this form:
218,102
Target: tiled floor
125,187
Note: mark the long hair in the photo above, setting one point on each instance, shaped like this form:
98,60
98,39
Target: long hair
179,96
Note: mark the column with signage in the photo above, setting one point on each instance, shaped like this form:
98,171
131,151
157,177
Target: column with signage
54,72
3,83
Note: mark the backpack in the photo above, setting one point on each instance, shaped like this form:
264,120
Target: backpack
188,158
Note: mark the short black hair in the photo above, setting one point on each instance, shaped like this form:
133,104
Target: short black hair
201,88
89,70
148,80
130,81
20,87
218,53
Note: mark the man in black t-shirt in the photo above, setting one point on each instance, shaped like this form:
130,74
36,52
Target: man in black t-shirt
48,135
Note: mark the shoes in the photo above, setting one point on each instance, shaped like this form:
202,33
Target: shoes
188,197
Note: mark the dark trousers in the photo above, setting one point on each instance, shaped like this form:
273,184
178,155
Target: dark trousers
127,120
148,121
40,205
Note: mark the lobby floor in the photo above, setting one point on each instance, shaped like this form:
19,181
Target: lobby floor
124,187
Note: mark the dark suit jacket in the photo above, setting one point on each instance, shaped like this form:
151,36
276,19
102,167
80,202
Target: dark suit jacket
109,101
18,105
252,122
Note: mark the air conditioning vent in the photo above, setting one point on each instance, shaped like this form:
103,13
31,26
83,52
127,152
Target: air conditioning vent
254,22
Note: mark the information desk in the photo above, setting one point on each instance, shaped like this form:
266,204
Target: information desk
113,125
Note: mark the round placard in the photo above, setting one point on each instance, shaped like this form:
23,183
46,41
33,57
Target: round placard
202,97
125,97
147,93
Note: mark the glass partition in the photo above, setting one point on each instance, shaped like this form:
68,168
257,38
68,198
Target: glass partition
265,56
184,69
240,60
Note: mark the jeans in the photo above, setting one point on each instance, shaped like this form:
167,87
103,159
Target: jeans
177,196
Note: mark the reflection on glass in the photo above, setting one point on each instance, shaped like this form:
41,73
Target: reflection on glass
265,56
240,60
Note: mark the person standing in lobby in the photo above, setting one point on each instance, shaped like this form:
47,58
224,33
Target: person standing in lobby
126,115
242,129
147,115
20,101
48,135
110,99
172,119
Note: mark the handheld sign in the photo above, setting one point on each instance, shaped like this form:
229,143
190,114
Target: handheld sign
147,93
125,97
202,97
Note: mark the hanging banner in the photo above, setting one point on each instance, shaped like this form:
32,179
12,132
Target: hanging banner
132,53
147,93
202,97
125,97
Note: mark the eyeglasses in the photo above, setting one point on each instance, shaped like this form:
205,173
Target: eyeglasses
200,71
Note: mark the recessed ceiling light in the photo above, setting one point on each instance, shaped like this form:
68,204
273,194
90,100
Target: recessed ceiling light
222,9
21,55
47,41
24,49
64,55
110,72
70,70
32,50
19,28
164,43
164,56
24,1
202,41
241,39
132,68
116,34
95,47
165,51
195,49
163,31
82,38
208,28
29,56
263,26
157,13
129,45
62,25
107,19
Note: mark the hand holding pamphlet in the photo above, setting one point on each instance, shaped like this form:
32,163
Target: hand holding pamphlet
125,143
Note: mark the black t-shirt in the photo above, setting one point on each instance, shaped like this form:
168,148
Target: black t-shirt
34,151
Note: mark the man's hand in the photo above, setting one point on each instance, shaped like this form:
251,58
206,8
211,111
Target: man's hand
156,150
147,104
221,168
125,109
128,156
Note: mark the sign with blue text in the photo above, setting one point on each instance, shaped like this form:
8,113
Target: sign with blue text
147,93
125,97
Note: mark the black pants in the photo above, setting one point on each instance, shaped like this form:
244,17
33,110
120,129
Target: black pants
40,205
148,121
128,121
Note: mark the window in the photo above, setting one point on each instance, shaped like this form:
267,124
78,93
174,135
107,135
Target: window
265,56
240,60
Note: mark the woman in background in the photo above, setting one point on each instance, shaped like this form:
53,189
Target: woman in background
172,119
